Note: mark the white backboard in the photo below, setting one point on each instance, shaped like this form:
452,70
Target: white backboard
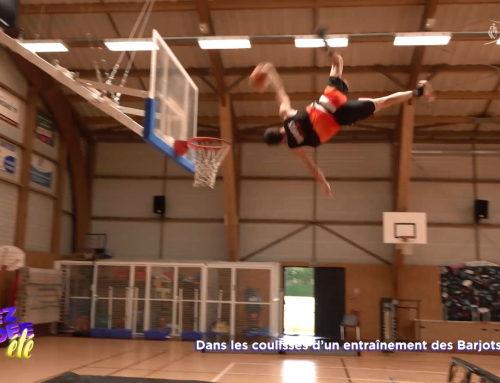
397,225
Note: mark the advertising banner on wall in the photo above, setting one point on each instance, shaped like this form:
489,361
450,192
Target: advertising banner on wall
8,157
45,129
10,107
42,172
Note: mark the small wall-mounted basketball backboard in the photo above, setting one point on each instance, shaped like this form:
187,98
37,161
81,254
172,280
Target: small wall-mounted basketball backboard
407,228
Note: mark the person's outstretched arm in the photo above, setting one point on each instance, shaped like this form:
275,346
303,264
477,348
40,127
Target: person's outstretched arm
267,73
315,171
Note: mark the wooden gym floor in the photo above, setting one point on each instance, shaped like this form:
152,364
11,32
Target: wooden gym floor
177,360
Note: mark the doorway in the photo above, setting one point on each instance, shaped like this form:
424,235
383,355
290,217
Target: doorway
314,301
299,300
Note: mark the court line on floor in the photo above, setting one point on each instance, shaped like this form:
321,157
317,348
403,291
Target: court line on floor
140,361
355,368
345,370
223,372
168,364
327,377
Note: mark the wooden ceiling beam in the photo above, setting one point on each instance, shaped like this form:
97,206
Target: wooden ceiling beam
308,96
227,130
404,143
192,41
348,70
186,6
377,119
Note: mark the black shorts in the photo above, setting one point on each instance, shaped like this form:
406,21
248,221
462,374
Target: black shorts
338,84
354,110
303,124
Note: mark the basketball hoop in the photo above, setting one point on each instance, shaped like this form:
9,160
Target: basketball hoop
210,152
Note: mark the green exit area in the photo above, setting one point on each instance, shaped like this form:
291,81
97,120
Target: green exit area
299,301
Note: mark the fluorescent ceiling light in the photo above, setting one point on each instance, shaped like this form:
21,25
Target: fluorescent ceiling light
314,42
44,46
224,43
422,39
130,45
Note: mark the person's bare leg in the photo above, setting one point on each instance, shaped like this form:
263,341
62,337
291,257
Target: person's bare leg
392,99
274,80
424,89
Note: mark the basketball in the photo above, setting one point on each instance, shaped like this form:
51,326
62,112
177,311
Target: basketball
258,80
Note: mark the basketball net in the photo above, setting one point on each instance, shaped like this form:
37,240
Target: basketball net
405,246
210,152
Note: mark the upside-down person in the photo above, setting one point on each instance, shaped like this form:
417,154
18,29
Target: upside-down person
320,121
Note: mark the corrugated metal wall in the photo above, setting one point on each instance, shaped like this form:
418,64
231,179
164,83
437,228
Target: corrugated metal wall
39,222
277,198
9,191
8,210
128,176
44,171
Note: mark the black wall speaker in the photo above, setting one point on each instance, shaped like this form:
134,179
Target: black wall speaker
159,204
480,210
8,13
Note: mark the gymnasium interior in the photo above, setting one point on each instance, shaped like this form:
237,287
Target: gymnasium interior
124,271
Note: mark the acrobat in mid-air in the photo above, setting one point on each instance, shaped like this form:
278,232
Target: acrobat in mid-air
321,120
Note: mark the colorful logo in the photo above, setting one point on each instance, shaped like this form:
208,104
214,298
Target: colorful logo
20,334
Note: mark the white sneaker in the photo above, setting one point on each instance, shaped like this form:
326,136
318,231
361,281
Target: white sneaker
428,92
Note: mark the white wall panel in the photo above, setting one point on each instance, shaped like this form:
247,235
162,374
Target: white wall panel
490,192
186,201
11,76
66,234
125,198
335,250
175,170
446,246
8,212
490,245
138,240
443,202
194,241
355,201
441,165
39,222
296,248
355,160
277,199
129,159
488,166
262,160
